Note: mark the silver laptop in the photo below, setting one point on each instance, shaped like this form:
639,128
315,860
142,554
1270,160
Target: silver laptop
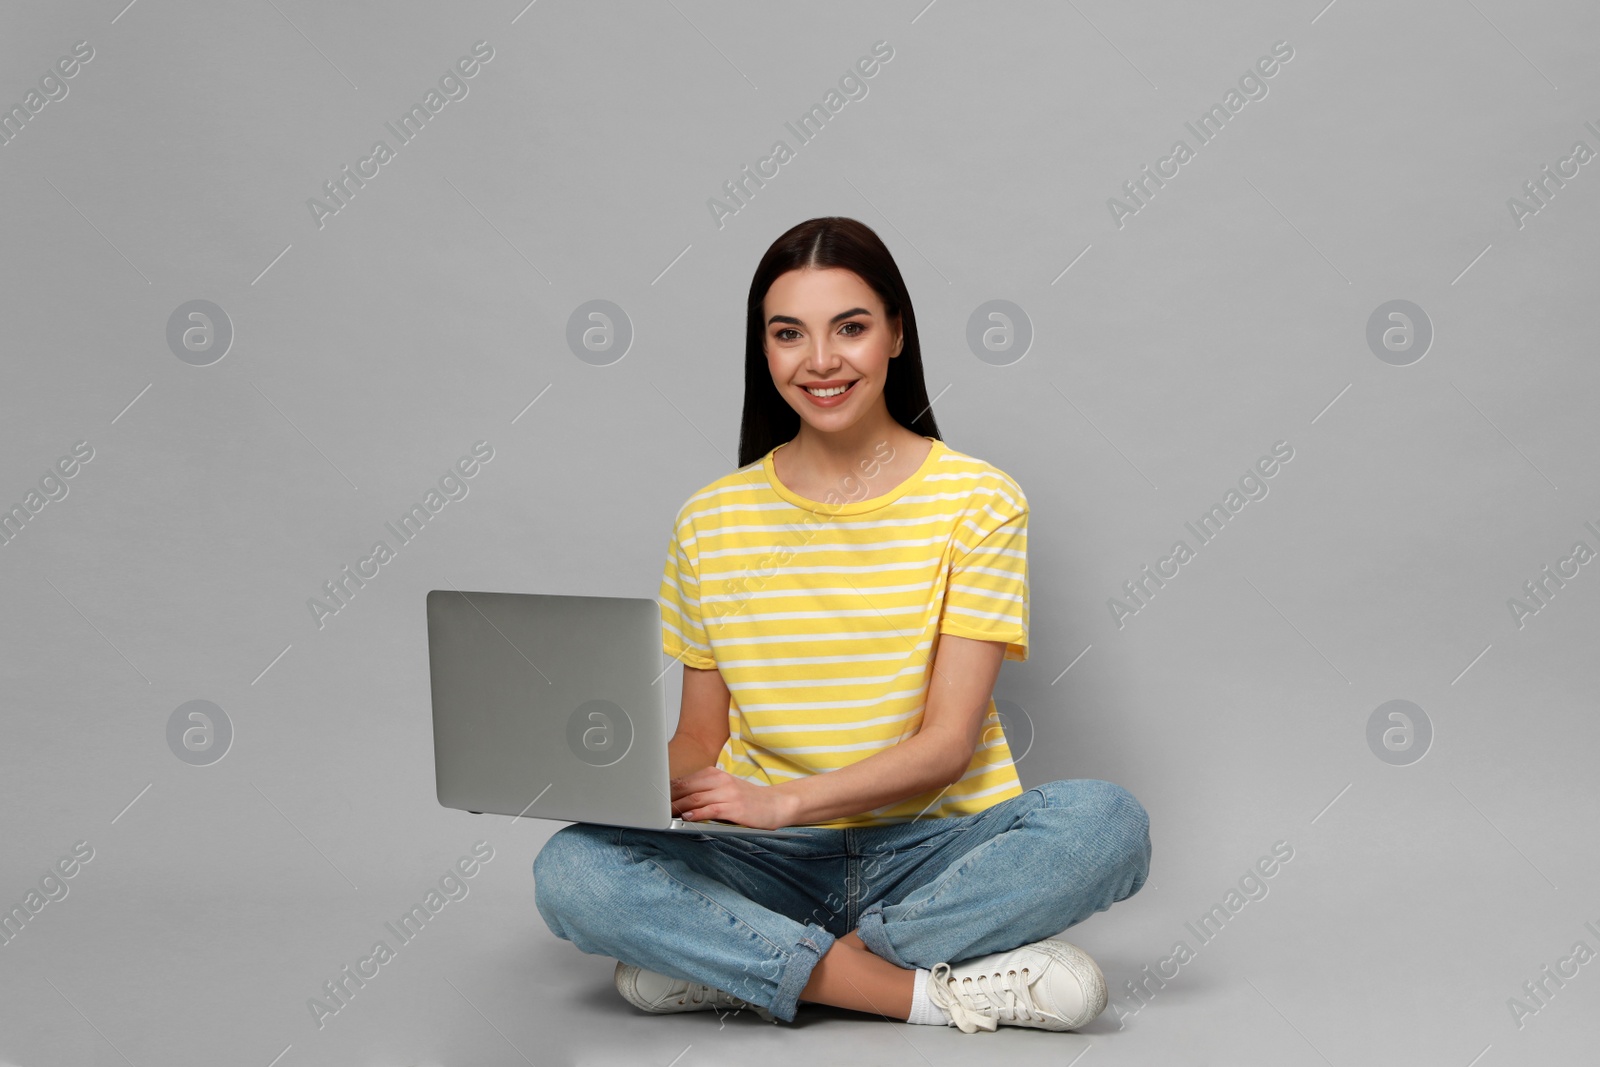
554,707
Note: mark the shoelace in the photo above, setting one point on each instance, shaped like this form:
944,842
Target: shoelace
699,993
991,998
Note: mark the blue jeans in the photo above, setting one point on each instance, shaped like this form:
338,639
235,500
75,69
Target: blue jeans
753,915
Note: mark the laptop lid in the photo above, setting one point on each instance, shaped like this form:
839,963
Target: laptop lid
549,706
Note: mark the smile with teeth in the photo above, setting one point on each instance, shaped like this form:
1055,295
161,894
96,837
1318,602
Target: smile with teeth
835,391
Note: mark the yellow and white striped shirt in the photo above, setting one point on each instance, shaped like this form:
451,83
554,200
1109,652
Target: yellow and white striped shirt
823,616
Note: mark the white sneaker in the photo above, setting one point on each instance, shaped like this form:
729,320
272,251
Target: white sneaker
659,993
1050,984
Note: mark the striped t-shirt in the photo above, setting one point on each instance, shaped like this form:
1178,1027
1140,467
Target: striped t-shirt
823,616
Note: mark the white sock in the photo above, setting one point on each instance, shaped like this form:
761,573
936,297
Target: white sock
923,1009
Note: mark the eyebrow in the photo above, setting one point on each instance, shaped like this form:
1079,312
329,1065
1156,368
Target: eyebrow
852,313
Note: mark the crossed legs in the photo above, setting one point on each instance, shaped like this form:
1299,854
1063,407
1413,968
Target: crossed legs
849,975
1045,861
721,912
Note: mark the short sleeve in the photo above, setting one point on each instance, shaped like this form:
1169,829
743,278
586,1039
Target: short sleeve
683,635
986,598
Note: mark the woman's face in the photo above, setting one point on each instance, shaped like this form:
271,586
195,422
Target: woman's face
827,327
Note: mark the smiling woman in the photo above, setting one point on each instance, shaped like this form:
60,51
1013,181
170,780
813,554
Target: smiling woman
843,603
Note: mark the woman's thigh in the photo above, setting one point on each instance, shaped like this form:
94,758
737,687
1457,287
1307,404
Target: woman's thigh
721,910
1023,869
584,868
898,860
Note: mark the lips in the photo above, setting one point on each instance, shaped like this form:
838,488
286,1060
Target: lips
829,401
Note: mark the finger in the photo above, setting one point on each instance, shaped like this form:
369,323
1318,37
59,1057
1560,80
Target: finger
701,802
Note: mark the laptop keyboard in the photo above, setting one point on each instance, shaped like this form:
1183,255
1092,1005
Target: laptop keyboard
719,828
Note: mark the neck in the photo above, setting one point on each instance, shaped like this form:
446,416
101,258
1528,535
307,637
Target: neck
835,457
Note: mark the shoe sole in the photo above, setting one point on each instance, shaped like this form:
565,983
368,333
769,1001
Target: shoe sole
627,980
1086,971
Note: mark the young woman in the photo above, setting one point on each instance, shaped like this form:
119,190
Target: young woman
842,604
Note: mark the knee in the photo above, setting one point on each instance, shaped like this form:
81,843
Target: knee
1122,809
1122,822
562,869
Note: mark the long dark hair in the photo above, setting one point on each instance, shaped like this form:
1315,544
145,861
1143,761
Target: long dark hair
822,243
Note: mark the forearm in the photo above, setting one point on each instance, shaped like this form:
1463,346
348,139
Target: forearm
686,754
917,764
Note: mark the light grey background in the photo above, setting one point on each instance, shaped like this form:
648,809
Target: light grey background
1229,313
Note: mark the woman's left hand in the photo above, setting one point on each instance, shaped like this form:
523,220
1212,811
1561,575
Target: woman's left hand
713,793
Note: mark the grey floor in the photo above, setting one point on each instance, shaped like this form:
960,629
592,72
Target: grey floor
205,921
1153,360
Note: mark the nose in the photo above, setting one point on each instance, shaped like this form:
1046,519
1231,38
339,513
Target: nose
821,358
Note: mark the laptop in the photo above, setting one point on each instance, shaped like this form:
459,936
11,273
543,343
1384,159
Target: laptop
554,707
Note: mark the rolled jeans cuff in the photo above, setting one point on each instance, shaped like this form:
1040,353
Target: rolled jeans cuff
870,930
810,949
